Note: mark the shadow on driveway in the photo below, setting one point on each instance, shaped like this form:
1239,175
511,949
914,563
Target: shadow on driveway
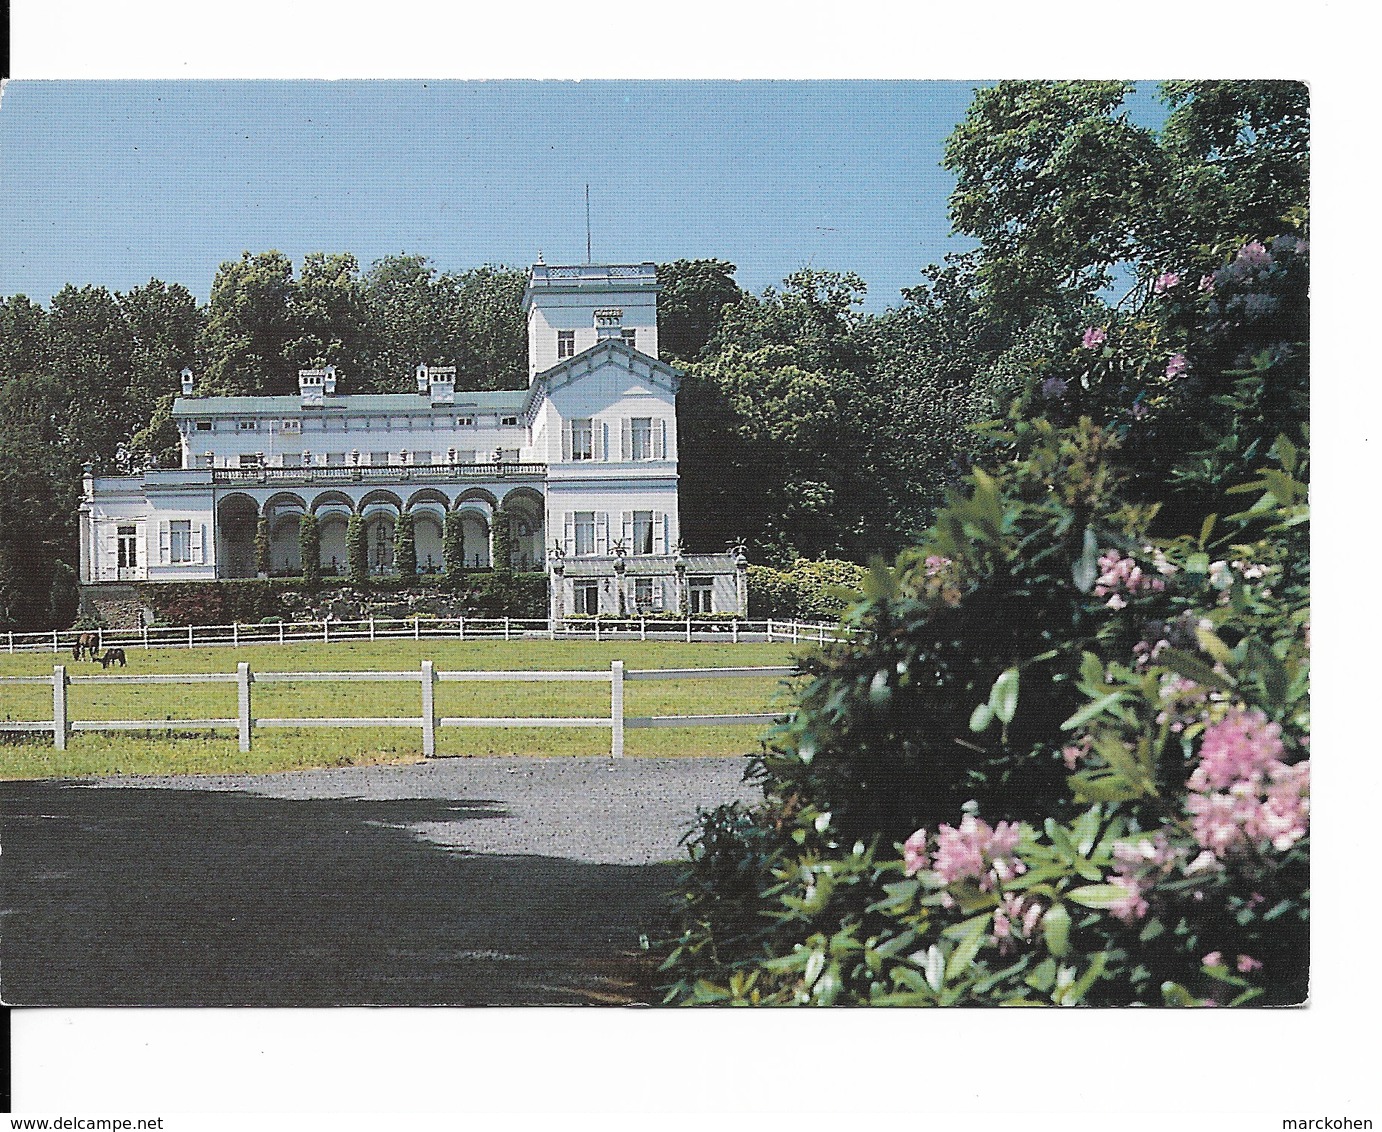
170,897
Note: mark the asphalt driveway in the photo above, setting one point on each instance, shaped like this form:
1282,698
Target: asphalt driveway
455,882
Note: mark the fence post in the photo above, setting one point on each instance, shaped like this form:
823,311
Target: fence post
145,630
243,678
796,631
11,642
417,628
734,630
770,630
326,631
597,627
688,630
55,640
60,707
235,634
280,632
100,639
371,627
616,709
429,717
189,636
551,628
460,628
506,628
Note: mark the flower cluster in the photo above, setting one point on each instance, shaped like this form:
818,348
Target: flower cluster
1094,337
975,851
1017,917
1119,576
1138,865
1177,365
1165,282
941,581
1242,793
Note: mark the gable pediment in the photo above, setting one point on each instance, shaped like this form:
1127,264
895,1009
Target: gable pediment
643,375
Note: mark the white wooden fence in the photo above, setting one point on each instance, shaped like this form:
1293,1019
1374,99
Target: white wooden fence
245,722
431,629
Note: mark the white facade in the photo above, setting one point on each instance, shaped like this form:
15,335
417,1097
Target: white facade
583,462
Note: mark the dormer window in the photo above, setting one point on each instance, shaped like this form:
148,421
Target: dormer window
203,426
292,426
465,422
511,421
248,426
566,344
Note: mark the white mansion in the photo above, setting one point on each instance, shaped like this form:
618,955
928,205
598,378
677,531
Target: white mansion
583,463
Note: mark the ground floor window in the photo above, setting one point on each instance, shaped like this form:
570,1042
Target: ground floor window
585,532
702,593
647,594
127,545
180,540
587,597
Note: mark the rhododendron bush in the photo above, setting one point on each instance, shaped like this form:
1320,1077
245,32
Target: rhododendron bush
1066,760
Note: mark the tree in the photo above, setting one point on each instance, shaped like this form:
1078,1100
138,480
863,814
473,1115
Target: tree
694,293
453,546
89,348
262,547
327,314
250,326
405,546
310,549
357,553
22,338
501,540
488,306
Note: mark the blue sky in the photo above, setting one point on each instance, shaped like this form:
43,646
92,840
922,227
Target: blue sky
117,182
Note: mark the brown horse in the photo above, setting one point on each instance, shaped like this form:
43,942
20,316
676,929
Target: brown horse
88,644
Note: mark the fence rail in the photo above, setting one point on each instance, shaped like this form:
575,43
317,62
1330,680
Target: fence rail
419,629
245,722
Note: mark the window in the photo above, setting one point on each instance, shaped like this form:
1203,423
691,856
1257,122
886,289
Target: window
203,426
585,532
509,455
587,597
126,547
465,456
702,595
582,440
251,459
292,426
422,457
566,344
180,540
630,338
378,459
205,460
641,438
642,532
335,459
465,422
292,459
249,426
510,421
643,593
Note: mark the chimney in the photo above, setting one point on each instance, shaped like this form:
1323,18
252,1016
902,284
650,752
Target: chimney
330,372
421,378
311,387
608,322
186,381
441,383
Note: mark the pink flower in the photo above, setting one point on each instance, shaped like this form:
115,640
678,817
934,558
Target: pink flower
1130,906
1177,365
1206,283
1254,254
1247,963
1213,959
1094,337
1165,282
978,851
935,564
914,852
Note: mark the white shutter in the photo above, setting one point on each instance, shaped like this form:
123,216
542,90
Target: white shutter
626,442
197,535
111,555
660,440
597,440
141,552
569,536
628,531
658,591
566,440
601,532
660,533
165,542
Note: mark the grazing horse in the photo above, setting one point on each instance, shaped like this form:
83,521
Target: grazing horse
88,643
113,656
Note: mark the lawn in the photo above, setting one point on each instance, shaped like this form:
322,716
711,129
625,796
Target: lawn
104,753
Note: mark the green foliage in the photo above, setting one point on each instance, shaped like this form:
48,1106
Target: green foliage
811,590
693,296
405,546
261,546
357,553
501,540
453,546
310,546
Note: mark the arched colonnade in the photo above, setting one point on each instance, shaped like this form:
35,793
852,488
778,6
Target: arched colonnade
238,515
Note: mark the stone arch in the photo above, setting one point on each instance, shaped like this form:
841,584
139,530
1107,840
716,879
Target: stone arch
475,535
380,496
237,523
526,510
477,495
428,495
332,499
282,500
331,529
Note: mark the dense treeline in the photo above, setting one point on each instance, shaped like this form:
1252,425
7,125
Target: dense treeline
808,428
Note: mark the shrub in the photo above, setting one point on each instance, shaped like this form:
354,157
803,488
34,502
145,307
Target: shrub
1067,759
261,547
357,554
810,590
309,545
502,540
405,546
453,546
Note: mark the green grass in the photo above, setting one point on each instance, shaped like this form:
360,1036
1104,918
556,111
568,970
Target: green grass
104,753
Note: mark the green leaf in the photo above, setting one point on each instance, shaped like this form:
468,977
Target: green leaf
1055,927
964,954
1213,645
1090,710
1003,695
1091,670
934,967
1205,528
1193,668
981,718
1097,895
1085,572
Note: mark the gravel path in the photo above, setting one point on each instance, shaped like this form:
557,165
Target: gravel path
458,881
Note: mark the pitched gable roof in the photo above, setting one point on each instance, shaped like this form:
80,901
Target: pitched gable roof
610,351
